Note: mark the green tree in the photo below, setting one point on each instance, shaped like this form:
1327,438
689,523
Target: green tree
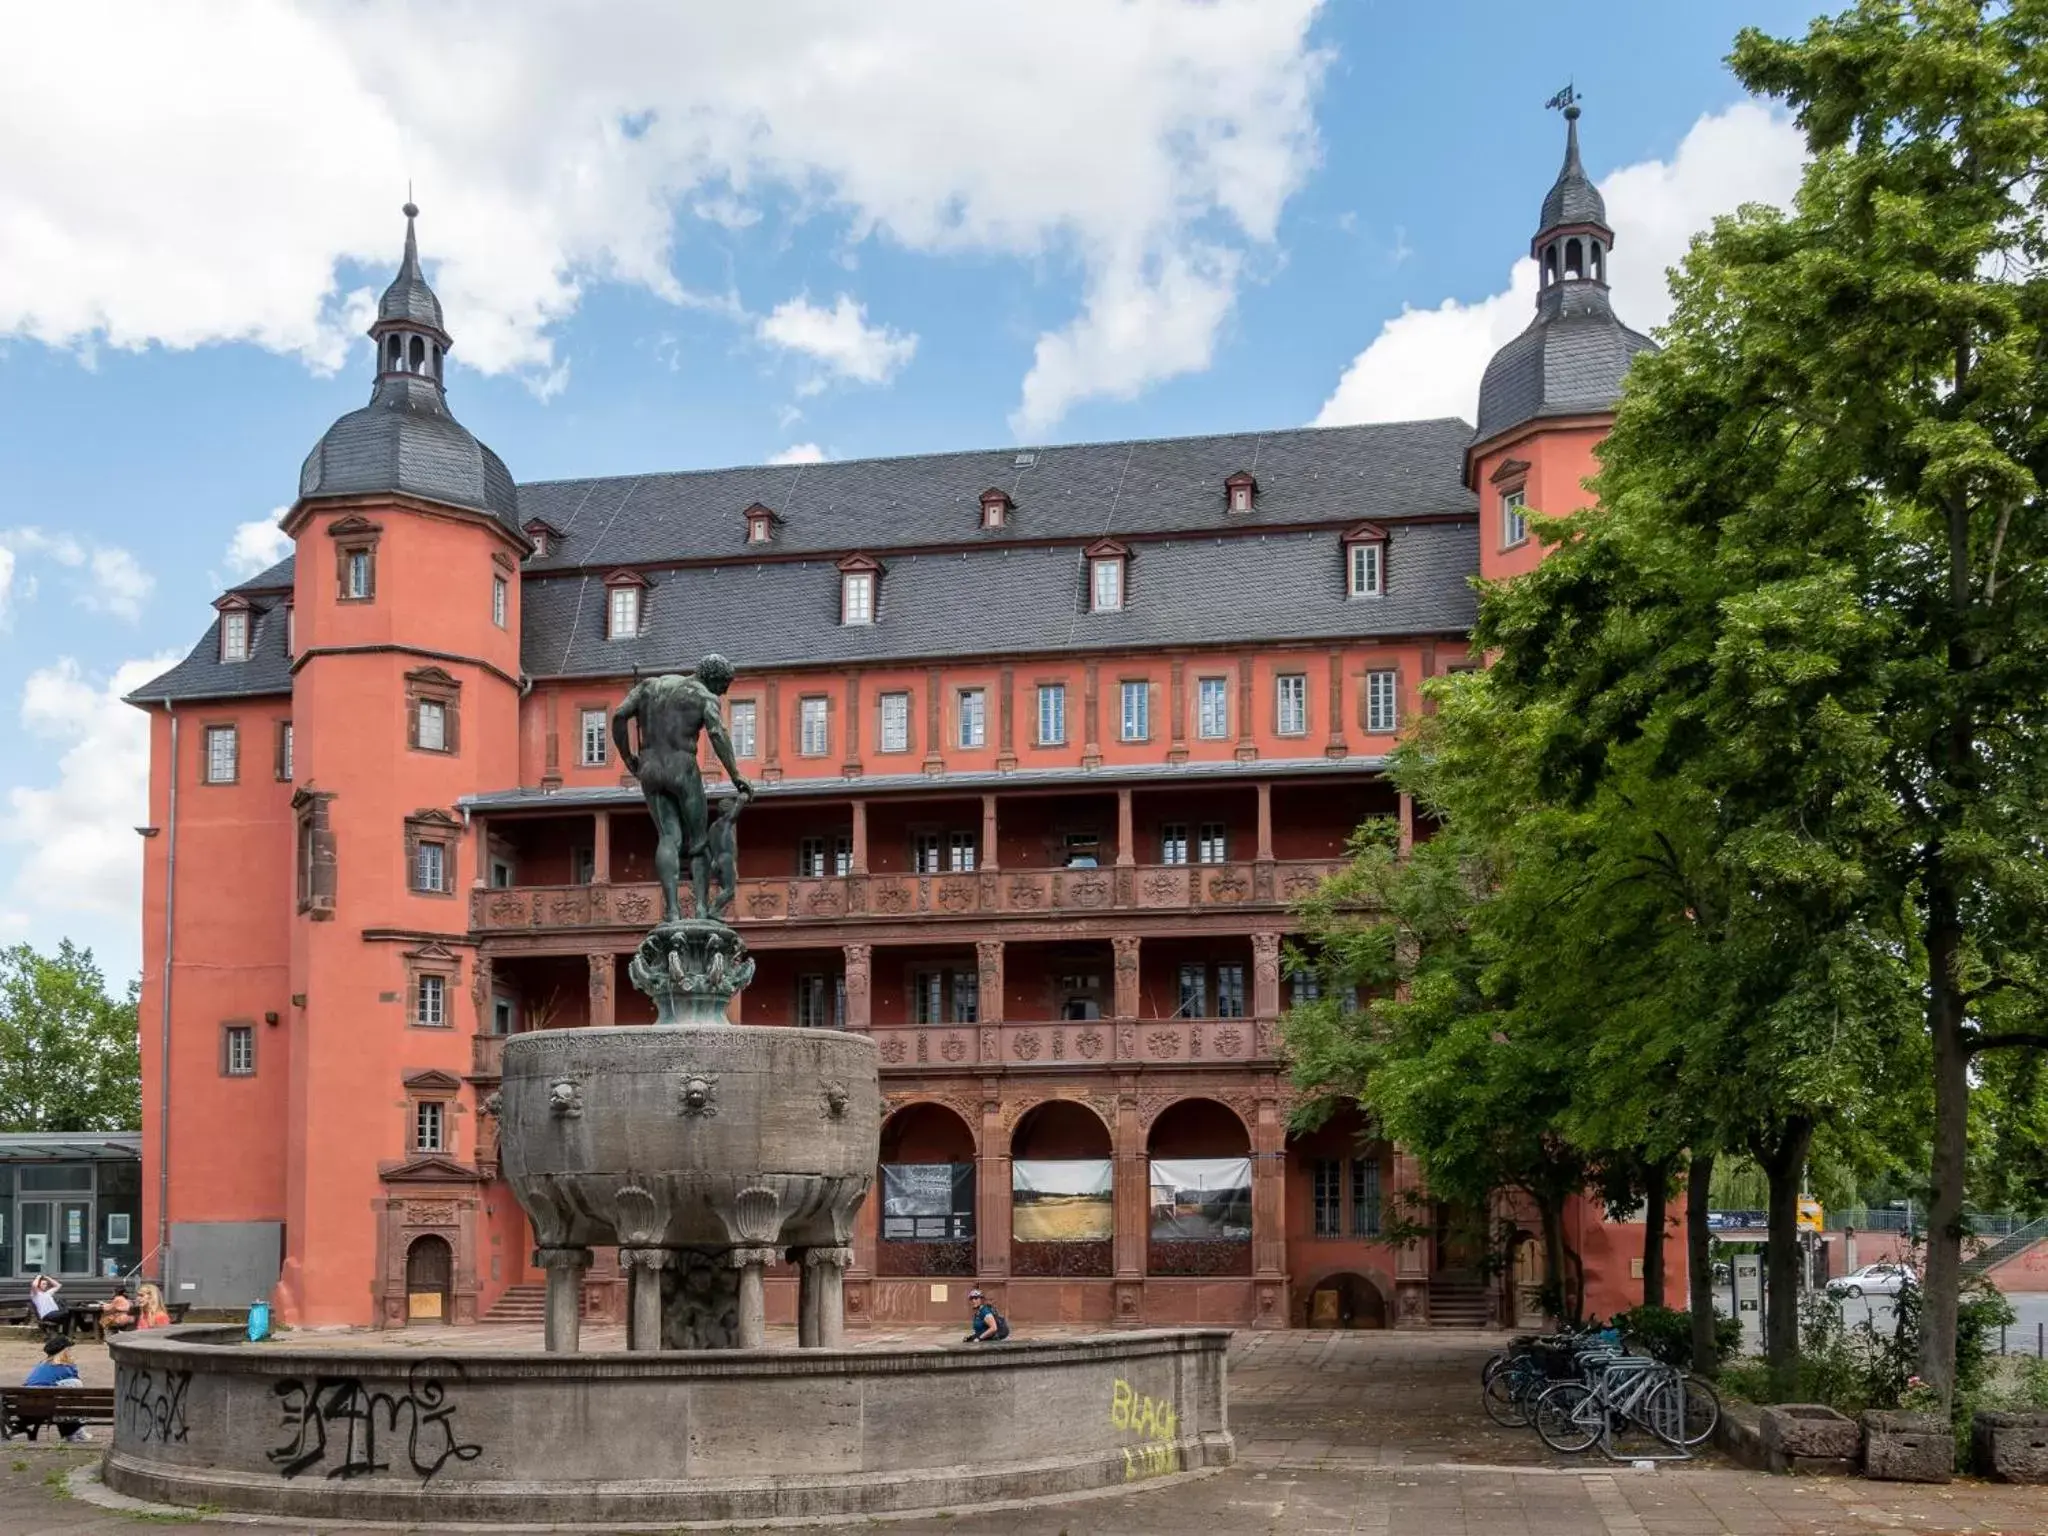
1813,585
69,1057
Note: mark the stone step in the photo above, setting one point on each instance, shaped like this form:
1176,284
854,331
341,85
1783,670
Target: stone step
520,1304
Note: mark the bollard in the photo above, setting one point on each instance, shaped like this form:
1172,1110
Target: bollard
2001,1338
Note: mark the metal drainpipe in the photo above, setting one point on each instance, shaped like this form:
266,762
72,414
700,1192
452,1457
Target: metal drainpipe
163,1084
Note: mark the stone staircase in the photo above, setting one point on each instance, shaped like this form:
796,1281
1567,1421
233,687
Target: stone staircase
2010,1246
524,1304
1457,1301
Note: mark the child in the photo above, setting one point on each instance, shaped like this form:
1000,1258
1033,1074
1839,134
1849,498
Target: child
59,1370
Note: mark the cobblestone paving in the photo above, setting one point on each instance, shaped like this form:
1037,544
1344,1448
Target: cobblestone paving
1374,1434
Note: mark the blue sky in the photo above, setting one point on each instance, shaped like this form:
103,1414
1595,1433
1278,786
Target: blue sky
671,236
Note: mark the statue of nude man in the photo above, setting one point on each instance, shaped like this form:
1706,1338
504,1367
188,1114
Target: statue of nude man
673,711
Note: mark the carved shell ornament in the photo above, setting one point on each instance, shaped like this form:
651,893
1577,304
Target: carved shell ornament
698,1094
565,1099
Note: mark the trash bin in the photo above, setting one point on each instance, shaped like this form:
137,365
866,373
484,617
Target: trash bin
259,1321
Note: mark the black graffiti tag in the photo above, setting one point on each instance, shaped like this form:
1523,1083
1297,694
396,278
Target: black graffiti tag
336,1423
153,1407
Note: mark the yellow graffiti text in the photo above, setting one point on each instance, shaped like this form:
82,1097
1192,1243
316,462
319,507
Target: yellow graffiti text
1144,1461
1152,1417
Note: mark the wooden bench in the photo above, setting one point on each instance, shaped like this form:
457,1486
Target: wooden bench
28,1409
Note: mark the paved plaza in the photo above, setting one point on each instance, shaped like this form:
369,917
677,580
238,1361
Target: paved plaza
1371,1433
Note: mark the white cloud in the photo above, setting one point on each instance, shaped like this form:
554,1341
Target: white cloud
75,838
119,584
234,154
258,545
1427,362
799,453
839,340
107,578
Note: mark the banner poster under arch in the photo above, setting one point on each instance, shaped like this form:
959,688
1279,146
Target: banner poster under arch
1201,1199
927,1202
1064,1201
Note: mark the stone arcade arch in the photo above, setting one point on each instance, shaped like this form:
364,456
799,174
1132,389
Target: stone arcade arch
927,1221
1062,1210
1199,1216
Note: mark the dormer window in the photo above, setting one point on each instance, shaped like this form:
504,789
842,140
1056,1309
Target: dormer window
995,507
1239,491
859,584
234,634
622,614
1365,561
1107,562
761,523
545,536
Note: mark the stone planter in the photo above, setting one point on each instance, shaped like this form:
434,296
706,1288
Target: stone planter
2010,1447
1900,1447
1810,1438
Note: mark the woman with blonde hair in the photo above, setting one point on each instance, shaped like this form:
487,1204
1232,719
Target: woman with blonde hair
149,1308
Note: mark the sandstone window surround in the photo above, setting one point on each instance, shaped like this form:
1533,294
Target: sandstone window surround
995,507
1052,714
894,711
813,726
545,536
860,582
501,600
1365,561
355,558
315,882
971,710
1382,706
1135,715
1290,704
223,762
1109,563
1212,707
433,974
1240,491
625,605
238,1048
762,522
433,711
742,724
594,735
432,839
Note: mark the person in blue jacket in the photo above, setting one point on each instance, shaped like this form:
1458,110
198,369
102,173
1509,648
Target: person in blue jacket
989,1324
58,1369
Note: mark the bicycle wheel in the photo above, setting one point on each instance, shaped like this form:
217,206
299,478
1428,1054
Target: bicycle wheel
1560,1422
1503,1399
1492,1368
1702,1410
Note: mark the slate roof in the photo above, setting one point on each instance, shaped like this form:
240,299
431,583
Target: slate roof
203,675
1573,199
406,440
1569,361
409,298
1074,491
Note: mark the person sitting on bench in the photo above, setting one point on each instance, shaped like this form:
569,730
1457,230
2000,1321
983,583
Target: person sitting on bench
59,1370
50,1312
118,1315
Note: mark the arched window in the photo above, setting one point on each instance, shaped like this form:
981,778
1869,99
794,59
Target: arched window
419,354
1574,258
1599,263
396,353
1549,265
435,354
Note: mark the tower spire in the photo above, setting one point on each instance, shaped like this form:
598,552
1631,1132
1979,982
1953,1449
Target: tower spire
409,336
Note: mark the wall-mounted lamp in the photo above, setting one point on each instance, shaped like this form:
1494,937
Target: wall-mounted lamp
147,831
271,1018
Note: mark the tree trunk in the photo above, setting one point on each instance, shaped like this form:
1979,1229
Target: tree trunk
1554,1259
1699,1262
1653,1234
1951,1137
1782,1164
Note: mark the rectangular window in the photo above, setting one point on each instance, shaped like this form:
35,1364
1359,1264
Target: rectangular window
857,598
1173,843
1365,1197
624,613
927,853
740,726
1379,701
358,575
820,1002
1306,986
817,857
1194,992
814,736
583,866
973,717
291,630
1229,991
501,874
960,852
895,722
430,1126
1366,569
433,725
1291,697
1106,585
500,597
930,996
1213,844
222,754
238,1050
1137,712
597,742
1212,707
1052,714
430,1002
503,1015
1514,519
234,636
842,855
284,750
430,867
966,997
1329,1197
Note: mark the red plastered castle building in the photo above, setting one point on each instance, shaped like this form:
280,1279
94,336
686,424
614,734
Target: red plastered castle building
1048,740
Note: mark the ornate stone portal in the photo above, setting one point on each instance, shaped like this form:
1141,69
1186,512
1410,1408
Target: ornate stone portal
700,1149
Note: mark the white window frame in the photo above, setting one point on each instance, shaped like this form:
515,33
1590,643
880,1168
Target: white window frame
622,614
1106,584
1052,714
857,597
1135,712
927,853
501,600
972,707
814,727
759,530
430,866
1514,518
810,858
1290,704
894,735
1240,498
594,731
234,635
1368,567
359,578
430,1000
223,754
1382,701
430,1125
239,1051
435,740
960,852
1173,842
742,725
1212,708
1212,843
286,754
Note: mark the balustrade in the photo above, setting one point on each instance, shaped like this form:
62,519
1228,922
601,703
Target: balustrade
1077,1043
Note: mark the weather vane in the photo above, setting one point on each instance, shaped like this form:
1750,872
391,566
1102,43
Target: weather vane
1566,98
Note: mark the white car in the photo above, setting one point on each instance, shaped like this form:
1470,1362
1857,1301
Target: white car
1873,1280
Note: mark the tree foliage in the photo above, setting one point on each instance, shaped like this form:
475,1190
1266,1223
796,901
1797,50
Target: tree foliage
69,1059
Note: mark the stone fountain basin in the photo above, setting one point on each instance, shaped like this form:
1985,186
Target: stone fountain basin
677,1136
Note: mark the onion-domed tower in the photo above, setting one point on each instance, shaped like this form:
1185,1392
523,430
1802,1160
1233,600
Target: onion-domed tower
1548,396
405,688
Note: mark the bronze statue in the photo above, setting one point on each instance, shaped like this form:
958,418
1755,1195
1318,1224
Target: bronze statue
673,712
